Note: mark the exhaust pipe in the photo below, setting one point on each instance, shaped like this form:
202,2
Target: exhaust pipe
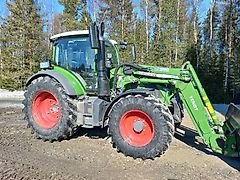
97,42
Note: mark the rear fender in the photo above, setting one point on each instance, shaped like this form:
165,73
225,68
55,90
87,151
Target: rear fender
58,77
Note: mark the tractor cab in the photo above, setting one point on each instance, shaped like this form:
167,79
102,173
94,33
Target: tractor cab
72,51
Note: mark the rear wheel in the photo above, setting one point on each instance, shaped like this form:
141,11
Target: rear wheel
140,127
47,110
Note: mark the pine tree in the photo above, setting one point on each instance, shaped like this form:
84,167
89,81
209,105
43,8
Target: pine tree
237,50
140,40
210,66
21,43
119,19
193,35
85,16
75,15
168,45
57,26
230,44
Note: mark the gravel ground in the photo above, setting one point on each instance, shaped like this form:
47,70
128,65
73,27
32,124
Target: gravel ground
89,155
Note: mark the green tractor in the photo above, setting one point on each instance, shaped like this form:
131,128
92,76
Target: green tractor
86,86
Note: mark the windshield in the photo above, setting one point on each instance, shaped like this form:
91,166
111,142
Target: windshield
75,54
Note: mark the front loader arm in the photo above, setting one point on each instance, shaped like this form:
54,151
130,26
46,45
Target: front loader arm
204,117
201,118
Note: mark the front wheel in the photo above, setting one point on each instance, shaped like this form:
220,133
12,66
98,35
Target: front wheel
140,127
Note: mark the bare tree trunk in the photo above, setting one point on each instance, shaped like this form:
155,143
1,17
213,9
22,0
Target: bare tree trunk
227,62
146,26
159,16
236,68
228,40
49,21
142,57
195,30
177,29
94,10
213,3
122,28
1,62
170,58
134,29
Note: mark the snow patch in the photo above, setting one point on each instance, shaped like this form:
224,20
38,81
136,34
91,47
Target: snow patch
11,98
11,95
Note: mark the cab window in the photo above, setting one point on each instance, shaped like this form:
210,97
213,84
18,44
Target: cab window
114,56
75,54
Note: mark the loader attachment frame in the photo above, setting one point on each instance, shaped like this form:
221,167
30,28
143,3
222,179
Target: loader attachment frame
232,130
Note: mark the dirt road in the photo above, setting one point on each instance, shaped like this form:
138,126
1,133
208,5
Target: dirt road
89,155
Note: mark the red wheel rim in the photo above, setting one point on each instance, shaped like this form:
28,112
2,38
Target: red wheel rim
137,128
46,109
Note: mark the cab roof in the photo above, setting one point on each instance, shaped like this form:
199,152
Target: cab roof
76,33
69,33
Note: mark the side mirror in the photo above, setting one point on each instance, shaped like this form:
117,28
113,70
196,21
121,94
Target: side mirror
94,36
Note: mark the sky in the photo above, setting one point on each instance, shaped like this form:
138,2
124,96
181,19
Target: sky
55,7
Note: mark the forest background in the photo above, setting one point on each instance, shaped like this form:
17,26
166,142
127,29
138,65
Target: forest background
165,32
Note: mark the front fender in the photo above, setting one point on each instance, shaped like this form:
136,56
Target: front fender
143,92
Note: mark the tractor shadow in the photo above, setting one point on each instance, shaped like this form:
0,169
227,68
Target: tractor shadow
189,138
93,133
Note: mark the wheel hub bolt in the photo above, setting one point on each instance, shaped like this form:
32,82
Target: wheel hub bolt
138,126
54,108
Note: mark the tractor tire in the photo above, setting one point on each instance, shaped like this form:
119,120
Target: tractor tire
177,110
140,127
47,110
